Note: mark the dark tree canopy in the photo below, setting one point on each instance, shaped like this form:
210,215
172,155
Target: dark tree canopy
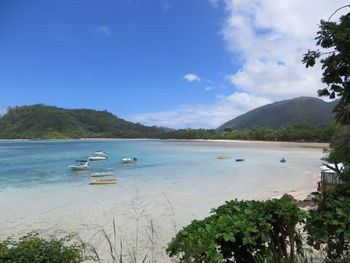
335,39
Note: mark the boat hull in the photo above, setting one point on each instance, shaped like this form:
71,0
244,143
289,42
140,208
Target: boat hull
128,160
97,158
102,174
80,168
103,181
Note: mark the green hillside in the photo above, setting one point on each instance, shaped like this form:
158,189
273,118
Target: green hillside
280,114
47,122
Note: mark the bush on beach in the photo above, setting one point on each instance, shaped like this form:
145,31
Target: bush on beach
242,231
33,248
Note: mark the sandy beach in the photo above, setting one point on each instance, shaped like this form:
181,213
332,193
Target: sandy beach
139,206
292,144
281,143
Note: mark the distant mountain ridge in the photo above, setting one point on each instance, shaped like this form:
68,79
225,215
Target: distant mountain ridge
282,113
47,122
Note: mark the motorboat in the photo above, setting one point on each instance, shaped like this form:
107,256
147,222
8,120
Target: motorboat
102,174
282,160
100,153
103,181
97,158
129,160
239,160
82,165
223,157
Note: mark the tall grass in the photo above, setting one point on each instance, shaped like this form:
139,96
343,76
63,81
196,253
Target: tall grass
141,243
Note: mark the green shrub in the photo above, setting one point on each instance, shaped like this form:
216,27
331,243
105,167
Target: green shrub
32,248
328,226
242,231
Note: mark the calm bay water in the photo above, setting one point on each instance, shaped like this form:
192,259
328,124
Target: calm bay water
37,164
39,191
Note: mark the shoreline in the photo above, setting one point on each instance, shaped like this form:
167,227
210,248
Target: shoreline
170,200
277,143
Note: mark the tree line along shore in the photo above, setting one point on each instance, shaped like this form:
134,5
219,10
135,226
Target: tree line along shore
48,122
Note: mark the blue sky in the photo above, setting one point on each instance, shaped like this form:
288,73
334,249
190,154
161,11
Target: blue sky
175,63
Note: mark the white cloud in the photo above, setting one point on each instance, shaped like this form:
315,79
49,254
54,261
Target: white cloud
104,30
192,77
267,38
270,37
201,116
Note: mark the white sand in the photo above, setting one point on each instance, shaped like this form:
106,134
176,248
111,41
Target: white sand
88,212
89,209
292,144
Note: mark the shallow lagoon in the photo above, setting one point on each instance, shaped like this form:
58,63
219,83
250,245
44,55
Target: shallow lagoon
174,182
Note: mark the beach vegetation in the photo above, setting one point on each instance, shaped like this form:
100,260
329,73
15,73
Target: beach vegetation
297,132
141,243
334,39
242,231
328,226
33,248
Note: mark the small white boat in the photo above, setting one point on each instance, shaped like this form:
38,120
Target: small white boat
100,153
129,160
102,174
83,165
103,181
97,158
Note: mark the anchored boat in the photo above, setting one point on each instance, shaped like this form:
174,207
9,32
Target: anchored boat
83,165
100,153
129,160
103,181
97,158
102,174
223,157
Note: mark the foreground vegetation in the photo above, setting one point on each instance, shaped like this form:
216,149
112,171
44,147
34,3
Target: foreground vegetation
244,231
32,248
268,231
273,231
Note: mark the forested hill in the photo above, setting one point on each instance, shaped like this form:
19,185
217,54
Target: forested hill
47,122
280,114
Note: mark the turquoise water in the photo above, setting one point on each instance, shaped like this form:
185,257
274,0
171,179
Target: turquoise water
37,164
33,164
39,191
